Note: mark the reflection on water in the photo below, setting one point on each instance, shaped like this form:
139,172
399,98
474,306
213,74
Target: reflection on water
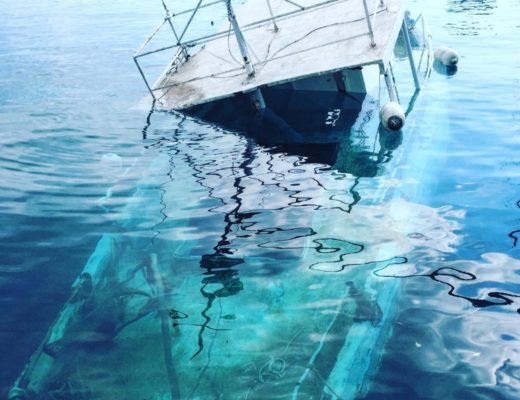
464,283
245,272
457,328
259,268
246,267
475,350
514,234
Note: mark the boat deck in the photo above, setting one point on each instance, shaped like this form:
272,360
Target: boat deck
316,39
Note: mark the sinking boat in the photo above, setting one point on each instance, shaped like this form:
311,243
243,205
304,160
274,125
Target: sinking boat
255,280
333,46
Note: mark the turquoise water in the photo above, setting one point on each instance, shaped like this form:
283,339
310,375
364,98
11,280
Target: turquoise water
254,240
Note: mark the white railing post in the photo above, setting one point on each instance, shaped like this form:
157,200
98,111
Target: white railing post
240,40
369,23
169,19
144,78
276,29
406,35
387,73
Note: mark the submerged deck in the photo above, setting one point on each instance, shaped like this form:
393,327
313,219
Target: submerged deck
315,41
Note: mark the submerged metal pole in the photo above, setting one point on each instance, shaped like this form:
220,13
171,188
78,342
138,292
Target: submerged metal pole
160,294
404,29
389,83
240,39
257,100
369,22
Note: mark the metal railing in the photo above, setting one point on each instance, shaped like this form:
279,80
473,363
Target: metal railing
371,18
183,44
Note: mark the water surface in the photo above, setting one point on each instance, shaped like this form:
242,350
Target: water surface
443,207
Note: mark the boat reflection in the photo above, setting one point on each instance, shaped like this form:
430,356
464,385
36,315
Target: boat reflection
315,125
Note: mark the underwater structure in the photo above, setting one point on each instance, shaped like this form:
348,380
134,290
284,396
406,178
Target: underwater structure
253,281
259,308
247,274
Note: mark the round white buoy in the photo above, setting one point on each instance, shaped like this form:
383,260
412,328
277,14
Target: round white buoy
446,56
392,116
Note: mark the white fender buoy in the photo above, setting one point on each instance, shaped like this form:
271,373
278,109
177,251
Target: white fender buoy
446,56
392,116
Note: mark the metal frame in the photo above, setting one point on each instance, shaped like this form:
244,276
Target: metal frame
242,45
406,35
276,29
388,74
183,55
369,23
371,19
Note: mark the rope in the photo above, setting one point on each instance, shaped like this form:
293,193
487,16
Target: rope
318,29
261,64
275,366
252,51
229,47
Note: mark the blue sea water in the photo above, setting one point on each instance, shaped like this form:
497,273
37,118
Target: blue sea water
77,140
